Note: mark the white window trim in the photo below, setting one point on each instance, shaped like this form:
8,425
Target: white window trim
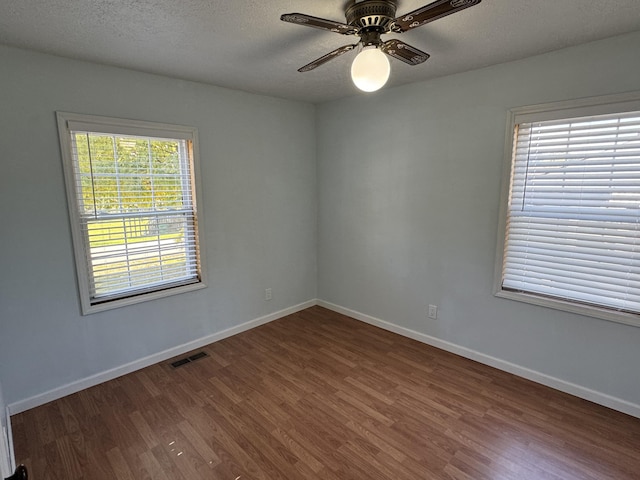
68,121
617,103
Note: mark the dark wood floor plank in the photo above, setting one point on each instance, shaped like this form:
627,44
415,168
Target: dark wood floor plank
319,396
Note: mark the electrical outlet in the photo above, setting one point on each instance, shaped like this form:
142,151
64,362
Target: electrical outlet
267,294
433,311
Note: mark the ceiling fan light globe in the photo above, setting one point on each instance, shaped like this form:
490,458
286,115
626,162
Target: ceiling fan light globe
370,69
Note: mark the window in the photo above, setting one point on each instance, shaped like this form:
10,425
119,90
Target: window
132,200
572,216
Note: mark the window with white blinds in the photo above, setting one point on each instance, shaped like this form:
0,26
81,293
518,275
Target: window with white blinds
131,190
573,216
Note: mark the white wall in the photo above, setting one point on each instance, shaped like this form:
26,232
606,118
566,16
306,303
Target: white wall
259,192
408,213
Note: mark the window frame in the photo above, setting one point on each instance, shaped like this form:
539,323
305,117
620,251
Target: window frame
606,104
118,126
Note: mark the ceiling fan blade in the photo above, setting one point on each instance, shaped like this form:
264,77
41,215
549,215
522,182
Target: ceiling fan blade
404,52
329,56
431,12
309,21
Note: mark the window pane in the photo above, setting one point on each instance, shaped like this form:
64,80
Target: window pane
132,253
137,212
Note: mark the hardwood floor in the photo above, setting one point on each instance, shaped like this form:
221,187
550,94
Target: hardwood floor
317,395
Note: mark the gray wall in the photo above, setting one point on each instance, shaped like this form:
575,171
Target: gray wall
3,418
259,192
408,212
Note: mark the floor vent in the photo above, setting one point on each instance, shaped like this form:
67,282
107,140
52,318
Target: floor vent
189,359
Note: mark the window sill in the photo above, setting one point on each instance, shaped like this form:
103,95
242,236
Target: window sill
566,306
145,297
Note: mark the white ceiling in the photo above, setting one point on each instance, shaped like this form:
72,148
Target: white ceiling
242,44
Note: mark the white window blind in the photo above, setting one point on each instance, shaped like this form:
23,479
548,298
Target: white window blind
573,222
135,210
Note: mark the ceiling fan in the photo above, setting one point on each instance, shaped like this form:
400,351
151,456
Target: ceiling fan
369,19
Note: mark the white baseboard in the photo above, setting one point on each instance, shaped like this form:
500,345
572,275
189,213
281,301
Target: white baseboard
7,459
5,467
12,455
76,386
544,379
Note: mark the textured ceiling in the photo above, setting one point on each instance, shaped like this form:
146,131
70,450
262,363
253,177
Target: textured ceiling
242,44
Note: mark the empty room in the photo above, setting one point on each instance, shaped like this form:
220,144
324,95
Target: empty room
271,240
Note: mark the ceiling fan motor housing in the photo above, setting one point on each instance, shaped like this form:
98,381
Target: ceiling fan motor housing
372,15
